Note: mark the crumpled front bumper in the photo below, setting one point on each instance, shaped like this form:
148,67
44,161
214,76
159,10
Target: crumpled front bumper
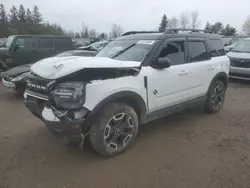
55,120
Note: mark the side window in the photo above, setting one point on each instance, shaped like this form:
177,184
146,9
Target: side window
24,44
174,51
217,48
45,43
197,51
63,44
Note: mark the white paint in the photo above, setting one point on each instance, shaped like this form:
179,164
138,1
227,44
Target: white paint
56,67
239,55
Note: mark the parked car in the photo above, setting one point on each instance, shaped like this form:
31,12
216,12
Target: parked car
14,78
240,60
135,79
96,46
26,49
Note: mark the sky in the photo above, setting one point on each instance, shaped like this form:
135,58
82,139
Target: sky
134,14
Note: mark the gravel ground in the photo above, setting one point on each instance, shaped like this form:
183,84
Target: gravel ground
190,149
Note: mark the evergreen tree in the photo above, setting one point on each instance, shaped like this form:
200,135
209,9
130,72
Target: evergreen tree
208,27
21,14
3,22
3,15
36,15
163,24
229,31
13,16
29,17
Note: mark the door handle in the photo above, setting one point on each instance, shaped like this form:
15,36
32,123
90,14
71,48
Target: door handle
210,67
183,72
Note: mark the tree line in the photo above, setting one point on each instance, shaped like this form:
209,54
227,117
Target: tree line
191,21
25,21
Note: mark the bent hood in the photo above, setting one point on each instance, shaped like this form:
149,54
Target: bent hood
56,67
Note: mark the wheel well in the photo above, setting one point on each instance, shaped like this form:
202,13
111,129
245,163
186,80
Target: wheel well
128,97
224,79
134,104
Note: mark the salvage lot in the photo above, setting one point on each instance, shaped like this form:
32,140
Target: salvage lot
190,149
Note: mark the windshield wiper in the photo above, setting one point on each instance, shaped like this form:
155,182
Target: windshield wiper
122,51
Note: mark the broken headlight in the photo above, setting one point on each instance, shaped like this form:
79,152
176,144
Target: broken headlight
69,95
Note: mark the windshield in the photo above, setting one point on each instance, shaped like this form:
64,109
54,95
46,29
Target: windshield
9,41
243,46
226,41
127,50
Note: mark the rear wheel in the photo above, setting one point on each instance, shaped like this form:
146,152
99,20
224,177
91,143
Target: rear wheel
114,129
215,97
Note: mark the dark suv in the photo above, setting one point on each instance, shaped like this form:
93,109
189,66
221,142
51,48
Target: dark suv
26,49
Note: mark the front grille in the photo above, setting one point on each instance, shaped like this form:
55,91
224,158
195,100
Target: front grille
37,84
242,63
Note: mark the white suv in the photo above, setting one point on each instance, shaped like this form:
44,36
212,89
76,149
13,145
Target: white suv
137,78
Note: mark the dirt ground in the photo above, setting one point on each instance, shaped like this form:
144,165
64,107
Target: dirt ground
190,149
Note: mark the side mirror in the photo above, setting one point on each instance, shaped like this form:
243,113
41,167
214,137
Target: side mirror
163,63
16,47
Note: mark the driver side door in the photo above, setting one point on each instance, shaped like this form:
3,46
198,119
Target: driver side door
169,86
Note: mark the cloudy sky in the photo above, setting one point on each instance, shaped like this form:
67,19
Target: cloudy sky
134,14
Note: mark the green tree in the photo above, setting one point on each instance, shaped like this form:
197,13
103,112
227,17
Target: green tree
36,15
163,24
21,14
208,27
217,27
229,31
3,22
29,17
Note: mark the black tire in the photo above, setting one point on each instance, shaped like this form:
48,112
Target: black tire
209,104
100,124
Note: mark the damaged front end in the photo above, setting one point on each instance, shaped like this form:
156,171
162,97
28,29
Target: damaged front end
59,103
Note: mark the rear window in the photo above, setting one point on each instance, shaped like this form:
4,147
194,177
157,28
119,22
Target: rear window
216,48
197,51
45,43
63,44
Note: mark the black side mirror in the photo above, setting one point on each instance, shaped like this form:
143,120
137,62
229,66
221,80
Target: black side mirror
16,47
163,63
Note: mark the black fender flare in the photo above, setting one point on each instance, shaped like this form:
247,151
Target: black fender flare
129,97
220,76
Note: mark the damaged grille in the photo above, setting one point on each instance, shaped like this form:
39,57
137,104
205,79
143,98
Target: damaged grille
37,84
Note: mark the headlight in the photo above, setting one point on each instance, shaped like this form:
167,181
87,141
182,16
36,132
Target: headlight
69,95
20,77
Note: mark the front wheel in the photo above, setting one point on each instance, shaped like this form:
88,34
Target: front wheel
114,129
215,97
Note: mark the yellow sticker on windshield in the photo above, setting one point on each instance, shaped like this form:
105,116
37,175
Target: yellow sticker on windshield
148,42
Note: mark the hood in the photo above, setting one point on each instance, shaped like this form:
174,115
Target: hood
56,67
239,55
17,70
3,51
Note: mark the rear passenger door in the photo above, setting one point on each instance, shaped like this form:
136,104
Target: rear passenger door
45,47
63,44
199,61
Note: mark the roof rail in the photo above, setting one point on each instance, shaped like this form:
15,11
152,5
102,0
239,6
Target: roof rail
138,32
176,31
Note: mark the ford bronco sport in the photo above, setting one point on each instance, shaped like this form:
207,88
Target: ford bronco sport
137,78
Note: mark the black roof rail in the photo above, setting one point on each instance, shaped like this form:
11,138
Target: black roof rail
138,32
176,31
